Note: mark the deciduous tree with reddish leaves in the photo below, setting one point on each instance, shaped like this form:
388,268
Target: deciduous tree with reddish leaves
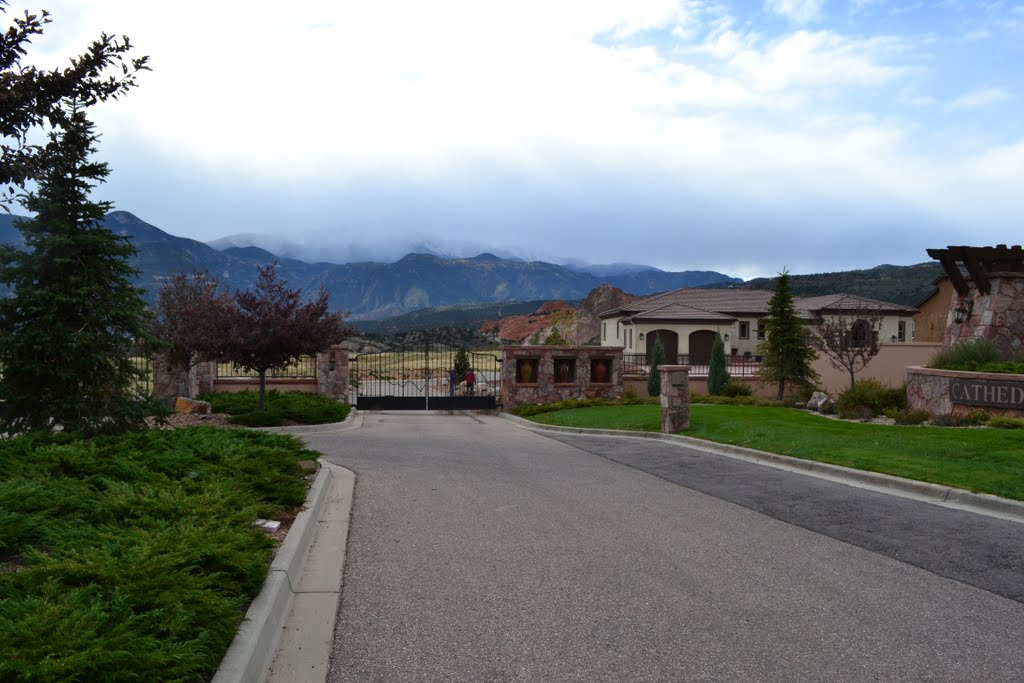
190,321
270,326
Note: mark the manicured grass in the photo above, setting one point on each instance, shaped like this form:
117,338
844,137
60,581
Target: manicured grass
296,407
984,460
133,558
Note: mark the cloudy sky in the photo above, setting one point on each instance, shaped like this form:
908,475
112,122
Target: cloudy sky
739,136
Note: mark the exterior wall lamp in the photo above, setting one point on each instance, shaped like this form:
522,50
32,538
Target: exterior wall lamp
641,336
726,337
963,311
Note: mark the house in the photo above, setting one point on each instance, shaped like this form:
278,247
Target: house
933,311
687,321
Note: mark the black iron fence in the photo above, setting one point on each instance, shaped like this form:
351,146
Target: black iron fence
737,366
302,368
145,381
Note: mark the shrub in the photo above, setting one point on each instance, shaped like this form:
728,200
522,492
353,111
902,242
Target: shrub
869,398
966,355
952,421
977,416
736,389
718,377
1000,422
908,416
289,406
630,397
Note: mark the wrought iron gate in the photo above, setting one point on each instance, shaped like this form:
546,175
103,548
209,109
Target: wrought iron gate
418,377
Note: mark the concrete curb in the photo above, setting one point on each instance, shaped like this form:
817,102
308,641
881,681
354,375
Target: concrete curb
252,651
937,494
348,423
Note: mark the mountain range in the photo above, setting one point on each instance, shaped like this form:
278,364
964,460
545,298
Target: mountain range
372,290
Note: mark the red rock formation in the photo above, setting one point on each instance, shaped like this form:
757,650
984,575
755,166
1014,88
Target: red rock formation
584,324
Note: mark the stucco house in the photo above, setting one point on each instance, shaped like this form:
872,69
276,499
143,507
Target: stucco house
687,320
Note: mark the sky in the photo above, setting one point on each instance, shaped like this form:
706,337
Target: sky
737,136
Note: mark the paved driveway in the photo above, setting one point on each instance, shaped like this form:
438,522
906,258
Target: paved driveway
480,551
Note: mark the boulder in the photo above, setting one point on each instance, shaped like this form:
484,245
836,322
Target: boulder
190,406
819,401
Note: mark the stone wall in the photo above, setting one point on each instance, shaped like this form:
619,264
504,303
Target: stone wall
998,316
952,392
332,368
546,374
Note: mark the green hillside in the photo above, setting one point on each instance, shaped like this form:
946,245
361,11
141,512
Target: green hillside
896,284
459,315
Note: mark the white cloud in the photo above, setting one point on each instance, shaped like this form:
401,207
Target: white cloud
983,97
797,11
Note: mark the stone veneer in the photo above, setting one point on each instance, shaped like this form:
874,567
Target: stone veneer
675,397
332,371
998,316
538,365
929,389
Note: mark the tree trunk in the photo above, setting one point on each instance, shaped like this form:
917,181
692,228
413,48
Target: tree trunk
852,380
263,391
782,389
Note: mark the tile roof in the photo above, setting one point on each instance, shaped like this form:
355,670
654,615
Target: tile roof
725,304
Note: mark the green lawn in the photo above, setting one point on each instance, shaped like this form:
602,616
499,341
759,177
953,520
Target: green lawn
984,460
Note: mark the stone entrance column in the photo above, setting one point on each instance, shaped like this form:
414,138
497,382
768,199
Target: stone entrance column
675,397
332,371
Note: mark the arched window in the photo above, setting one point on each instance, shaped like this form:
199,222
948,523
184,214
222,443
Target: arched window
860,334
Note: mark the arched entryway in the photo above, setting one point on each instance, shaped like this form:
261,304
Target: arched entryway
669,344
701,343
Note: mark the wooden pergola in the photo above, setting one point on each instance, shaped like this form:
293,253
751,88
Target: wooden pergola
980,263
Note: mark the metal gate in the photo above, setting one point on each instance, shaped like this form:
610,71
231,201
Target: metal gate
418,377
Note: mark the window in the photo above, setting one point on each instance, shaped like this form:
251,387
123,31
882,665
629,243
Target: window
760,330
600,370
744,330
565,370
902,335
631,337
860,333
604,331
526,370
617,328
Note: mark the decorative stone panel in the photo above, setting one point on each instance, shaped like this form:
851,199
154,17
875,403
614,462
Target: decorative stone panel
952,392
559,373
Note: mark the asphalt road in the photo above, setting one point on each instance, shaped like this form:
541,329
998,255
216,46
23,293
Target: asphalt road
480,551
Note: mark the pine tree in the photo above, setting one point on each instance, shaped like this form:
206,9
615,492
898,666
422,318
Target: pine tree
718,376
68,332
461,363
786,350
653,375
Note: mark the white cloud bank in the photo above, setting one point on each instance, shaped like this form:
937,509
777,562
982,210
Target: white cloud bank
448,107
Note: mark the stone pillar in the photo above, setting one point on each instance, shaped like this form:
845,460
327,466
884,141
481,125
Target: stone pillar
332,371
675,397
168,382
204,375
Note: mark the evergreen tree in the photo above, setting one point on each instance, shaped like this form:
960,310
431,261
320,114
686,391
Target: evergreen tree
68,332
718,376
555,338
653,375
461,363
786,350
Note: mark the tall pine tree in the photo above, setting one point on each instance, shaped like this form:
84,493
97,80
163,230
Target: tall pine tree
718,376
68,331
786,350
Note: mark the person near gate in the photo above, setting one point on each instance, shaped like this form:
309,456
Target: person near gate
470,381
453,379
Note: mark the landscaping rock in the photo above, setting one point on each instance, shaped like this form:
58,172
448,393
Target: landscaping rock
820,402
308,466
190,406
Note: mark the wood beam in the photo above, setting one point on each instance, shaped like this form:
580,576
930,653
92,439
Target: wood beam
977,272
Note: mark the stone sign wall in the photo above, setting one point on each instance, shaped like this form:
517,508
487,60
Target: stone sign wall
951,392
546,374
998,315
